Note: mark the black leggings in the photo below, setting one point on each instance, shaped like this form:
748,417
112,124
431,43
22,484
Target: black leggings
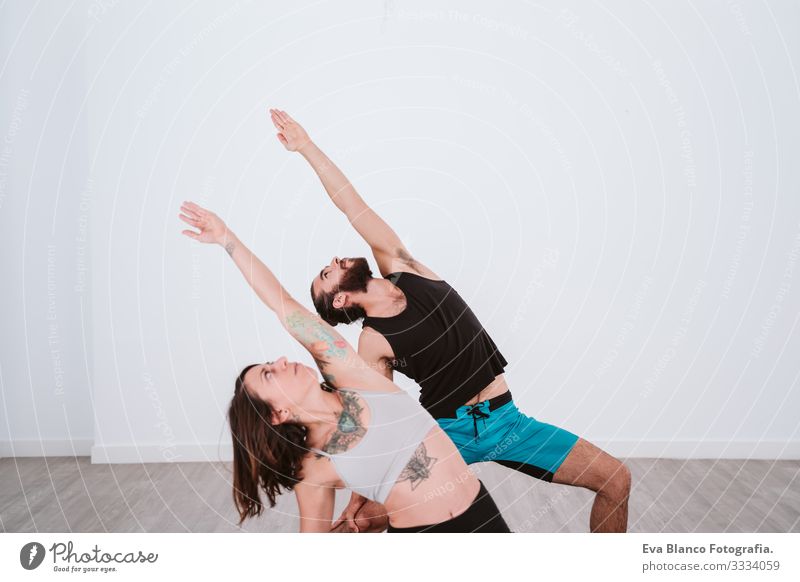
481,516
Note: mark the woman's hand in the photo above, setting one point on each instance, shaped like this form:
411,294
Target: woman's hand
290,133
212,228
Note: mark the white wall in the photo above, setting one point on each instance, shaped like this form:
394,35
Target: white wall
45,312
613,189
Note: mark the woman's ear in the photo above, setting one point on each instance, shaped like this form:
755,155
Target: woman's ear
279,416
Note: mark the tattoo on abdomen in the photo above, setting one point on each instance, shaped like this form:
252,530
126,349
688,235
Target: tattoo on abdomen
418,468
349,427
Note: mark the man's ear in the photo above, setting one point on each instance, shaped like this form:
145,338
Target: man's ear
340,300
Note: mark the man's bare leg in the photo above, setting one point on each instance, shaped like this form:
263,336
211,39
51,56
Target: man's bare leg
589,466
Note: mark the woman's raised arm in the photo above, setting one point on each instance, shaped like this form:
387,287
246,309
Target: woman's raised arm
340,364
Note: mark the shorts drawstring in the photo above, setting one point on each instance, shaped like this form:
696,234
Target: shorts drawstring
475,412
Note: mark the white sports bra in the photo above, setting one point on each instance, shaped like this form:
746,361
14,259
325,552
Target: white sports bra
398,424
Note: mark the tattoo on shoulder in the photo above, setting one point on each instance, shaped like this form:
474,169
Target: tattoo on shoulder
349,426
418,468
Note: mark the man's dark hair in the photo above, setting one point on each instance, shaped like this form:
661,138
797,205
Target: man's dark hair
354,279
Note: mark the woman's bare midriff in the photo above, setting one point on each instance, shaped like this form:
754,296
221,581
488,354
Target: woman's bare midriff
452,486
496,387
446,493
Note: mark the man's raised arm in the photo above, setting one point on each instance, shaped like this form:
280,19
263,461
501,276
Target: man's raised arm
389,251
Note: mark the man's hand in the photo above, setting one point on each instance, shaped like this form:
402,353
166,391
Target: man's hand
344,527
290,133
346,522
372,518
361,515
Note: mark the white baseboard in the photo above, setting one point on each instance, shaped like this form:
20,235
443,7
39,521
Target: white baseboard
46,448
705,449
205,453
187,453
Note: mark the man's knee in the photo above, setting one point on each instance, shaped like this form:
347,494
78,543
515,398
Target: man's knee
618,483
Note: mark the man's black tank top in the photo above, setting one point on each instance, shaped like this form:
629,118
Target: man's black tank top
438,341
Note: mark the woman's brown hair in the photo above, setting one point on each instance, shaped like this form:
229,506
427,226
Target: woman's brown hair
264,455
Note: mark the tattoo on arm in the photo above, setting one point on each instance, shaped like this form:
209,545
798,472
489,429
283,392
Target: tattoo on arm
229,246
418,468
349,427
319,338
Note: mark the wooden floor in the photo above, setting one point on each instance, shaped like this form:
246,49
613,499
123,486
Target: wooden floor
61,494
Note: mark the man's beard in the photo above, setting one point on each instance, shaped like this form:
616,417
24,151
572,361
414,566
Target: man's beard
356,276
354,279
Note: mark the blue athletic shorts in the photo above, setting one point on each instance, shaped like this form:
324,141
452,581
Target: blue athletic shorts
495,430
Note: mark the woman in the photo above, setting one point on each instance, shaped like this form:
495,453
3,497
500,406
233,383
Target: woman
357,429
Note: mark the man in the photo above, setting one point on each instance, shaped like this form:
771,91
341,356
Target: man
417,324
